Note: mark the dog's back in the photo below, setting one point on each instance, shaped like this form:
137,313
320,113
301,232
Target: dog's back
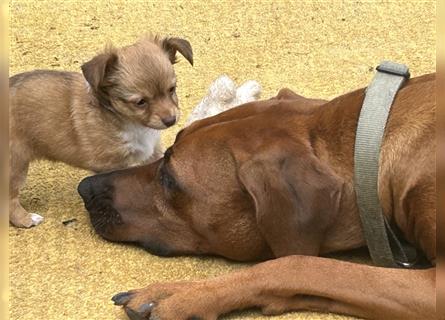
40,102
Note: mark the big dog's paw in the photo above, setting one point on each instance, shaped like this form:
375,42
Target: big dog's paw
171,301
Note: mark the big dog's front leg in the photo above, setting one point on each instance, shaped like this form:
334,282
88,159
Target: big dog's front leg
292,283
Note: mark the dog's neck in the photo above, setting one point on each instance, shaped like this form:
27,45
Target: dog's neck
136,141
334,131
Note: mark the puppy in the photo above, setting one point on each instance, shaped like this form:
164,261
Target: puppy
104,119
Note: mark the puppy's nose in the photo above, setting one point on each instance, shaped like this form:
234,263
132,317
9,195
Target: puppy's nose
169,121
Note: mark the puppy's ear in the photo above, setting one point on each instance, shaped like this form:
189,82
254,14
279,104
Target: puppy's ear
99,68
295,198
171,45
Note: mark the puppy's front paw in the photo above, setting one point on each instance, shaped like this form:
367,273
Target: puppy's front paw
171,301
36,219
25,220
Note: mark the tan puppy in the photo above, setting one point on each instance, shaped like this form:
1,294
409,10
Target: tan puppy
107,118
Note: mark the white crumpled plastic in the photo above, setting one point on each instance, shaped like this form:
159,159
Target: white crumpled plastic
224,95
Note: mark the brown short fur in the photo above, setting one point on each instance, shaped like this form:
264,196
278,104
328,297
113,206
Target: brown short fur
274,180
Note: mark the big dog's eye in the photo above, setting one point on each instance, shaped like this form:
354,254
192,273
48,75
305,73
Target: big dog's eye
166,179
172,90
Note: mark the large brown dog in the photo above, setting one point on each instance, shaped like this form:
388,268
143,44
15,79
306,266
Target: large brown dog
274,180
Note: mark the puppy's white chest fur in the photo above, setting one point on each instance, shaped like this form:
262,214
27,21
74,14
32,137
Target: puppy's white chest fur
139,142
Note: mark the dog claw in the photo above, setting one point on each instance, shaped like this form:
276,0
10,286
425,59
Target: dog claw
121,298
133,315
146,308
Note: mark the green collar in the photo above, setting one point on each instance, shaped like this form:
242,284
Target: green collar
385,248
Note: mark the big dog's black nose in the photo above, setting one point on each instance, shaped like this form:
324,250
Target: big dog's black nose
97,194
85,189
98,185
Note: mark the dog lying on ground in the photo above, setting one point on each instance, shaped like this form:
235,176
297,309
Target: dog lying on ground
105,119
274,180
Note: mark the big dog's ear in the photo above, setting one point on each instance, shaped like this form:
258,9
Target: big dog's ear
171,45
97,69
295,197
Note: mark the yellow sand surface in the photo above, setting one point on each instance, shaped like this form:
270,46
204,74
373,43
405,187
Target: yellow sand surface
319,49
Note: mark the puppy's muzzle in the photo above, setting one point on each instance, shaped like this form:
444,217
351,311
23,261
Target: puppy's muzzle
97,194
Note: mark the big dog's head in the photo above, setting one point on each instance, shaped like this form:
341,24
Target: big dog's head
244,185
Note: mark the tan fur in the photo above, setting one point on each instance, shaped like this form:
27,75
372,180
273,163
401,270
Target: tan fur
92,120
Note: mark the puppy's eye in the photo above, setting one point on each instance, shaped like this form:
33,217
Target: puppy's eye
172,90
141,103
